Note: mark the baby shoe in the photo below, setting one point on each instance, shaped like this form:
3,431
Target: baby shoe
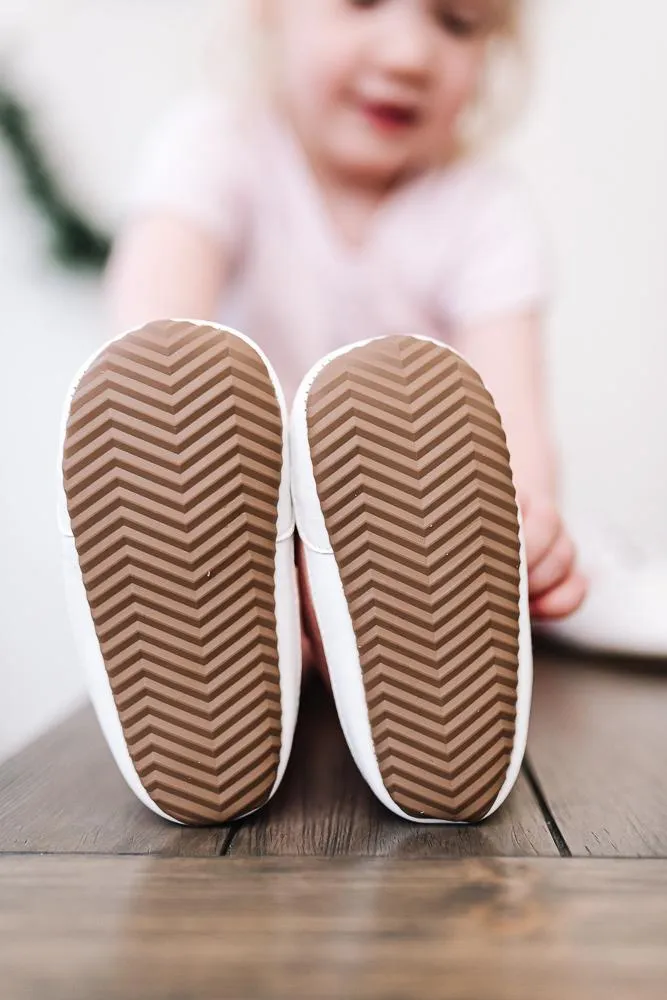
178,544
624,613
405,504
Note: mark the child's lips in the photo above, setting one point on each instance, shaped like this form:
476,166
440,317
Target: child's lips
389,117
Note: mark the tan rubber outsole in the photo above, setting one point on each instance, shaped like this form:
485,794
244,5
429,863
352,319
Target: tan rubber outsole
172,467
413,476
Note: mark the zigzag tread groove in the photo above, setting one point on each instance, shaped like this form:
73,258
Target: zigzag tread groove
459,762
203,754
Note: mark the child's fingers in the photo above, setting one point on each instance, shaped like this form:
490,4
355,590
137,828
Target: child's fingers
563,600
554,568
542,526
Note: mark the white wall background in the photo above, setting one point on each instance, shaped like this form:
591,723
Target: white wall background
593,146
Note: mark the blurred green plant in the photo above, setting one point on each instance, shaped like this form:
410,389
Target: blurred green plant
75,240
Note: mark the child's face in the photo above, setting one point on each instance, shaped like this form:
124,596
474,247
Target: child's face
375,87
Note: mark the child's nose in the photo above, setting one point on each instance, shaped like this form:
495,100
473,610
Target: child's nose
406,46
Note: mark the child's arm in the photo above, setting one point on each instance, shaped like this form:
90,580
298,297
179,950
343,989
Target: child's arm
163,266
507,354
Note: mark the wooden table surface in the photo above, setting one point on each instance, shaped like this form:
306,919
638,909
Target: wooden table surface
562,893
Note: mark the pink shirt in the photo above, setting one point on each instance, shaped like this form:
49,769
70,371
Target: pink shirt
455,246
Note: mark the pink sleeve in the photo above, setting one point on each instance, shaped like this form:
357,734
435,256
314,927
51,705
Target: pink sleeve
192,165
503,261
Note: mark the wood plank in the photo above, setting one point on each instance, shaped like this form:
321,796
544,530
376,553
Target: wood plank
598,748
64,794
325,808
74,928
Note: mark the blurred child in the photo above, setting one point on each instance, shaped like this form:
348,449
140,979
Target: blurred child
347,200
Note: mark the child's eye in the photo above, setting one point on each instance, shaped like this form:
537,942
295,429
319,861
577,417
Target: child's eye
363,3
458,23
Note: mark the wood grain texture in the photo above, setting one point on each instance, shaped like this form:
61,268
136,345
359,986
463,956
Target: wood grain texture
64,794
325,808
598,748
508,929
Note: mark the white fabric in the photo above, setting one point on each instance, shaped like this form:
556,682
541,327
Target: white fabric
625,611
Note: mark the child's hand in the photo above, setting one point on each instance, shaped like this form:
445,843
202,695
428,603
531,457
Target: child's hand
556,587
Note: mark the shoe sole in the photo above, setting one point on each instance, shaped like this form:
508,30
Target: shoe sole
172,467
412,474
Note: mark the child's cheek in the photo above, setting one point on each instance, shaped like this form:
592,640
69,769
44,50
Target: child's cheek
326,93
459,78
315,67
468,79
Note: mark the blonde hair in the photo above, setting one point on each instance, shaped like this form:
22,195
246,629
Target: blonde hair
502,91
499,99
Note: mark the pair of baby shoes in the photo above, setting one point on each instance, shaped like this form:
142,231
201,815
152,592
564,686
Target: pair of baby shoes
181,481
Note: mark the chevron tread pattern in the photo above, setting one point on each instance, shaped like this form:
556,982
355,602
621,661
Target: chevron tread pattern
412,473
172,468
